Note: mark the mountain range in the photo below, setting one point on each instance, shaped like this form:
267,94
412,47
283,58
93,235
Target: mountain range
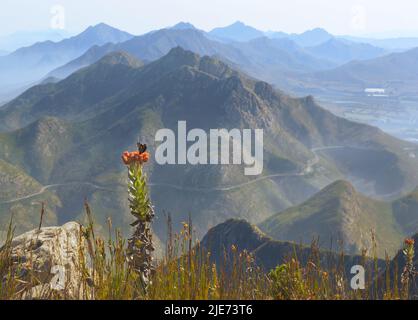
30,64
68,136
294,62
238,31
290,61
257,57
275,60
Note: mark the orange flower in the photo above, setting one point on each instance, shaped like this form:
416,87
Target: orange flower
409,242
135,156
145,156
125,157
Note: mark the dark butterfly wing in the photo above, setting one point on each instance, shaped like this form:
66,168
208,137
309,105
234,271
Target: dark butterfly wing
141,147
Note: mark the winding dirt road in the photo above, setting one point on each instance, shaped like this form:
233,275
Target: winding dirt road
51,186
305,171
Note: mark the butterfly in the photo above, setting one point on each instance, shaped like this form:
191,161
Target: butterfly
141,147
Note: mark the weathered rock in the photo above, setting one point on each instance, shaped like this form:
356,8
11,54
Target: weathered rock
47,261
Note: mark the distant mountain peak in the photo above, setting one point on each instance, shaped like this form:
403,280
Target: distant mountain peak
238,31
312,37
103,33
101,27
317,31
183,25
239,24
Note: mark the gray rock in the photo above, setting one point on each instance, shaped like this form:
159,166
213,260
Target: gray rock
47,261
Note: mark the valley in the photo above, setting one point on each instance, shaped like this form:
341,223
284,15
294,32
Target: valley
397,116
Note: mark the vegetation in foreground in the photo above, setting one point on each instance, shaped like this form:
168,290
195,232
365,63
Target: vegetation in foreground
187,273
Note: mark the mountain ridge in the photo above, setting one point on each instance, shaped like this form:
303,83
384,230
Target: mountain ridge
234,236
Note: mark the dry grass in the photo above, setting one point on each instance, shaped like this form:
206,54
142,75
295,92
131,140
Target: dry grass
186,272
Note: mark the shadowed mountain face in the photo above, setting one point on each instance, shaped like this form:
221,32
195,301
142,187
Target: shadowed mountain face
406,212
268,253
29,64
339,212
72,133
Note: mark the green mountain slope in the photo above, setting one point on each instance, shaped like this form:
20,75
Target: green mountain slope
25,213
38,146
339,213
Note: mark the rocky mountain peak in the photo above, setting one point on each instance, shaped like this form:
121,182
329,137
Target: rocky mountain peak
120,57
235,232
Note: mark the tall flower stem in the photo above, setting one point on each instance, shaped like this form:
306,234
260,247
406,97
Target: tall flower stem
140,246
408,271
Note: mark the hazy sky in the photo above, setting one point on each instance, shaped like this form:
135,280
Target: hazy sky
386,17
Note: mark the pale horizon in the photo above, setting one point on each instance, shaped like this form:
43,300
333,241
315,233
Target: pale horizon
370,18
